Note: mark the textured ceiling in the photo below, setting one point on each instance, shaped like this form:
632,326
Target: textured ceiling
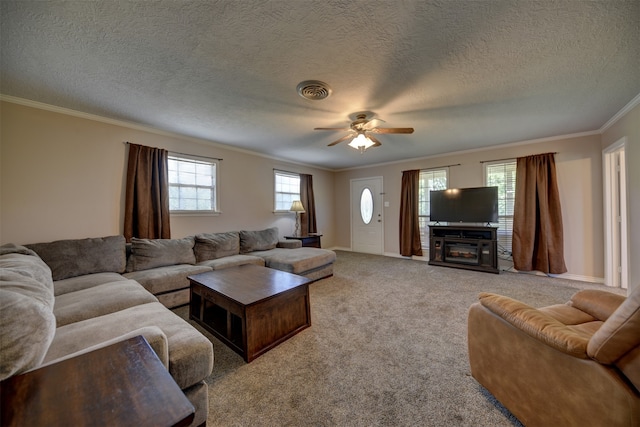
464,74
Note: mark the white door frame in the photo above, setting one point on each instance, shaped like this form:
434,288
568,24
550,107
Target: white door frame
616,238
378,198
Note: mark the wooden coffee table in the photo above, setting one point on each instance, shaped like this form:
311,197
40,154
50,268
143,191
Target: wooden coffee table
250,308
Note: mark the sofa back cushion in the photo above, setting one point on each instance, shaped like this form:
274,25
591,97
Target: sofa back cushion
77,257
260,240
619,334
27,323
216,245
152,253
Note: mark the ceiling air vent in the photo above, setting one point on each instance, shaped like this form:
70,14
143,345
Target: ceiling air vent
314,90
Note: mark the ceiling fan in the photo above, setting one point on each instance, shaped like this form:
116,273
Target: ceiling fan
360,133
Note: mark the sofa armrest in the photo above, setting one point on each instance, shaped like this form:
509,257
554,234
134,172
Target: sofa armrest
537,324
289,244
599,304
153,334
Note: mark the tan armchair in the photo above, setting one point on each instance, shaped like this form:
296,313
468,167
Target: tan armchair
573,364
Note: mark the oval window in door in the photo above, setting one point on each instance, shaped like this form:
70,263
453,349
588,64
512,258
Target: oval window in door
366,205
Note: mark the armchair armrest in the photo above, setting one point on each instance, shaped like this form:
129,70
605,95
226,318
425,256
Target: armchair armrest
599,304
537,324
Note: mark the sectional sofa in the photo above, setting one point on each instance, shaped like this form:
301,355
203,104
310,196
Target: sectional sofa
61,299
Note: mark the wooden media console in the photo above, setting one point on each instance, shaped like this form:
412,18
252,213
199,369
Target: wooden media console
461,246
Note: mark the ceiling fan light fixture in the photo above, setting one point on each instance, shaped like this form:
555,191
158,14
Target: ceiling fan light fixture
361,143
314,90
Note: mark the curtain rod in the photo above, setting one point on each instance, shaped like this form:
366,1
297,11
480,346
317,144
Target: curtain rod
511,158
186,154
436,167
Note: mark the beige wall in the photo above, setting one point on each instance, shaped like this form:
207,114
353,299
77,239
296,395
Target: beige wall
62,177
579,168
629,126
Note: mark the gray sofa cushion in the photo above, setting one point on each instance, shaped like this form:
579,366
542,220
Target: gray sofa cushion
190,352
151,253
78,283
296,261
77,257
261,240
166,279
216,245
232,261
99,300
27,323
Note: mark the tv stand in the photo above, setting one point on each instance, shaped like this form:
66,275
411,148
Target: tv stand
464,246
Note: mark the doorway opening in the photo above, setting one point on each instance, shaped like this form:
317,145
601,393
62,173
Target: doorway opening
616,267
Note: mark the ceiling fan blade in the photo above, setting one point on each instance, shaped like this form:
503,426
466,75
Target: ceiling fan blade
344,138
376,142
392,130
372,124
340,129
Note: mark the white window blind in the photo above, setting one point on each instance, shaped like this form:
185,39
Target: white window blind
503,175
192,185
429,180
287,189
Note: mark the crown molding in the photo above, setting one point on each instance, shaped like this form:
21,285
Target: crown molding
476,150
620,114
143,128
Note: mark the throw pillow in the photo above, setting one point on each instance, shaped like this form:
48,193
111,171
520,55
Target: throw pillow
152,253
216,245
261,240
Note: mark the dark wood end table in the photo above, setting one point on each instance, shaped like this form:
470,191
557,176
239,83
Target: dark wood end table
311,240
250,308
123,384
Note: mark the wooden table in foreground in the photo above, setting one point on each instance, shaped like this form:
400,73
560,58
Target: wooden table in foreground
250,308
124,384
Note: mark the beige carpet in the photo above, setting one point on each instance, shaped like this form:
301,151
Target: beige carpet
387,347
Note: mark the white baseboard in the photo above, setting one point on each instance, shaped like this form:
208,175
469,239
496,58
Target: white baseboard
568,276
590,279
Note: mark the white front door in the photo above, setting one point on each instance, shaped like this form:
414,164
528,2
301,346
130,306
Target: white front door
366,215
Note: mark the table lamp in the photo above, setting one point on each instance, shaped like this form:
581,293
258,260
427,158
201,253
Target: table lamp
297,208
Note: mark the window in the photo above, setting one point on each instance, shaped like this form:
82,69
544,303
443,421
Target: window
429,180
503,175
192,185
366,205
287,189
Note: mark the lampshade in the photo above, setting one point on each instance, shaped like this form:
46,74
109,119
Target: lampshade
361,142
296,206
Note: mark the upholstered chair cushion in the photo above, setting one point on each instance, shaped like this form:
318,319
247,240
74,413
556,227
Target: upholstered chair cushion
597,303
619,334
261,240
537,324
27,323
77,257
216,245
151,253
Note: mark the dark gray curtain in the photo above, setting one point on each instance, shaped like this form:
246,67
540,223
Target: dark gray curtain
146,212
308,218
409,222
537,218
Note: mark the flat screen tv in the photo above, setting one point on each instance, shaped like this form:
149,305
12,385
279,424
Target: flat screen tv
464,205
